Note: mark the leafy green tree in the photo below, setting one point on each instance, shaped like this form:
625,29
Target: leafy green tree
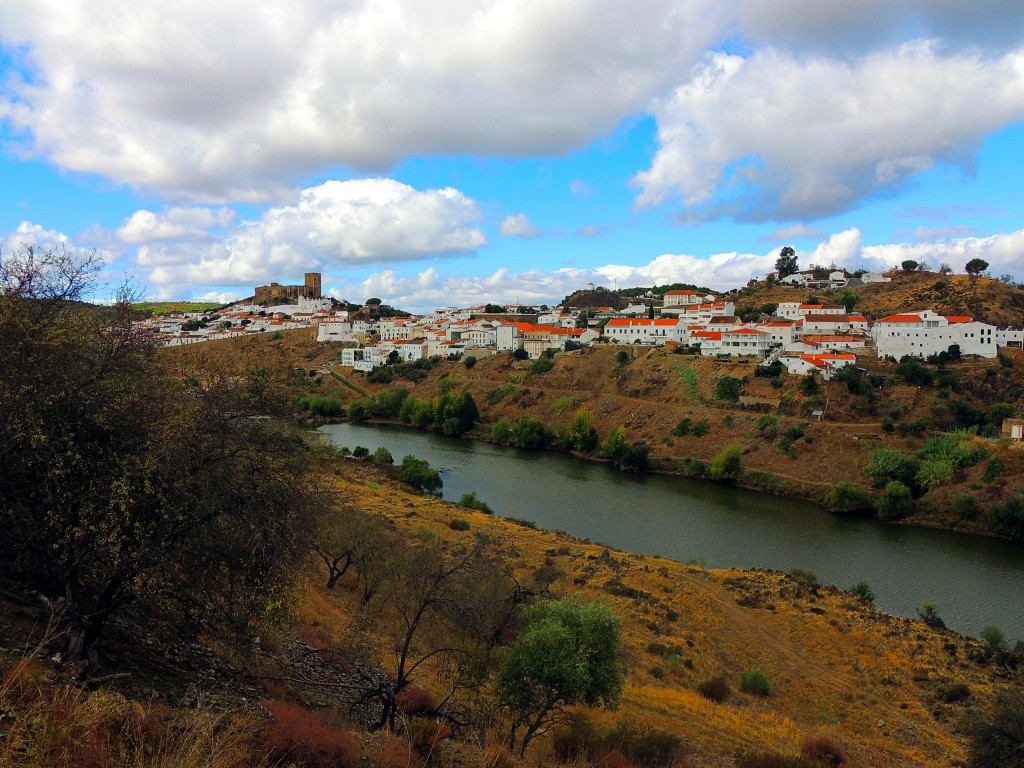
909,265
615,445
895,500
727,388
418,472
455,414
531,433
567,654
726,465
809,384
123,484
846,497
582,432
786,264
382,456
847,298
975,267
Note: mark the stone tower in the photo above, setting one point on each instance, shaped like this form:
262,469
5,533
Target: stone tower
313,285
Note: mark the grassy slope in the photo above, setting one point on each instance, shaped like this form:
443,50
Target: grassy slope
838,668
651,394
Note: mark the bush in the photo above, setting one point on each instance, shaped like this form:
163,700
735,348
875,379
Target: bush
894,501
726,465
886,465
418,473
998,742
470,501
531,433
966,506
691,467
415,701
993,469
297,737
682,428
700,428
995,638
383,456
499,393
458,524
469,362
717,689
955,693
934,472
864,591
930,616
360,452
823,751
756,682
727,388
323,406
846,497
542,364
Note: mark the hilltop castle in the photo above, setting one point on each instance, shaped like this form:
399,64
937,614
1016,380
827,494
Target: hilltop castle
309,290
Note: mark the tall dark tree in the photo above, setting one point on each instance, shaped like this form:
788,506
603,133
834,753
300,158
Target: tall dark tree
975,267
125,484
786,264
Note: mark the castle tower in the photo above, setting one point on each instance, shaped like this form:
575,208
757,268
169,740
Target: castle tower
313,285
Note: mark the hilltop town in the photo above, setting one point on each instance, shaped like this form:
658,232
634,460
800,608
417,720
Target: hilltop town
809,336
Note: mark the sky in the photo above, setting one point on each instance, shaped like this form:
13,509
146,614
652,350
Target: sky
460,152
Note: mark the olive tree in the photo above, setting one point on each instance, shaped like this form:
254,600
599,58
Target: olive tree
566,654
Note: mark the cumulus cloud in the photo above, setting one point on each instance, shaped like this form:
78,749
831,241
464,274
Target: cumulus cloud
518,225
776,136
173,224
183,99
335,224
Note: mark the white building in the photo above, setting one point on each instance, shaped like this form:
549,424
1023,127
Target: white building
645,331
926,333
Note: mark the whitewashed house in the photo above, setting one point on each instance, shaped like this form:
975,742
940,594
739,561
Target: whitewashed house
926,333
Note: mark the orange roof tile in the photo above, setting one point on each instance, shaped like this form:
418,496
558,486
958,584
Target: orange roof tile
900,319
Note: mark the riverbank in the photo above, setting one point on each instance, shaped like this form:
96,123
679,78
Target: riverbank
974,582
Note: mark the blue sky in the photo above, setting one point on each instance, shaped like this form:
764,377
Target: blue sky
466,152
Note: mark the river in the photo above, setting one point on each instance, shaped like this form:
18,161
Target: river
974,581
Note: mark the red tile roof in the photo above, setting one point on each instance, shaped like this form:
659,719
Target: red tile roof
900,319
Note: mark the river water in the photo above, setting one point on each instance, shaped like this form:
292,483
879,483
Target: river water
974,581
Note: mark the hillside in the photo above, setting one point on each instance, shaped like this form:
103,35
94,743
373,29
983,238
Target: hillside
884,692
784,449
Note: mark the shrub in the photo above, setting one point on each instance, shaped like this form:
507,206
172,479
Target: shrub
727,388
847,497
772,760
469,362
726,464
803,578
913,371
643,745
998,742
682,428
470,501
691,467
413,701
755,681
886,465
864,591
930,616
323,406
934,472
766,425
995,638
499,393
542,364
894,500
823,751
1008,519
425,736
417,472
993,469
717,689
955,693
458,524
700,428
383,456
531,433
297,737
966,506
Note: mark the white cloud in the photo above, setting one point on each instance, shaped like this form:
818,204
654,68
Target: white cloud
518,225
173,224
777,136
335,224
182,98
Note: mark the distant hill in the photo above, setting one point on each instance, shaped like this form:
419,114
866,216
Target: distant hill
620,298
